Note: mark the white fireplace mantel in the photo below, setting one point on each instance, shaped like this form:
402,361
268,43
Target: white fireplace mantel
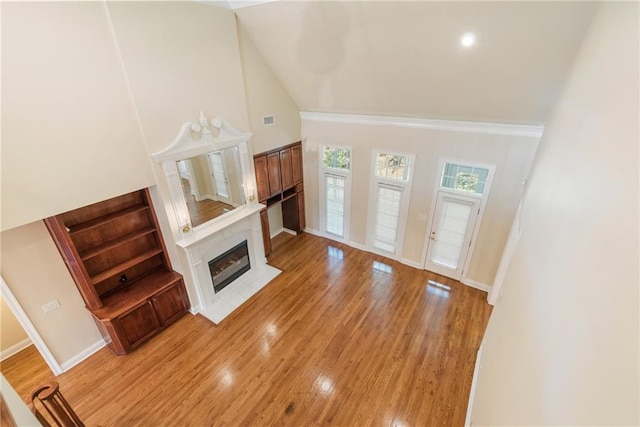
206,242
222,224
210,241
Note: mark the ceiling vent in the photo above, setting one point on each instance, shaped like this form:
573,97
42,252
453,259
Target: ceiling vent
268,120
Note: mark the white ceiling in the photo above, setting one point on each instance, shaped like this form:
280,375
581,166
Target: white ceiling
404,58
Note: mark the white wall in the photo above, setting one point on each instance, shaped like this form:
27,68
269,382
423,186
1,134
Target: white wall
180,58
36,274
20,412
562,344
69,135
265,97
512,156
11,332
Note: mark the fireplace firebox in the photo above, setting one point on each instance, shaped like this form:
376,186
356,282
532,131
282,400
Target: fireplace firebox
229,266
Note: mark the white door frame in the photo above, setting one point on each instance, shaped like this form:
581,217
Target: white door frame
323,170
32,332
483,205
405,187
472,225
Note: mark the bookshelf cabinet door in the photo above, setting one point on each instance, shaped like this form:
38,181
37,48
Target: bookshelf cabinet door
138,324
170,303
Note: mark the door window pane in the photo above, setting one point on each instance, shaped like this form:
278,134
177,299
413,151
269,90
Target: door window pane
451,228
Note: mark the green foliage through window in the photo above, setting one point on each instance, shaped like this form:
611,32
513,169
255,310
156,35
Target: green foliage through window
464,178
336,158
392,166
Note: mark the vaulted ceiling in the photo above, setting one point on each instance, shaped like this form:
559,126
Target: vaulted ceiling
405,58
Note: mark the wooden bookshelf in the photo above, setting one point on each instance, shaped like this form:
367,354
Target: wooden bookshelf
117,258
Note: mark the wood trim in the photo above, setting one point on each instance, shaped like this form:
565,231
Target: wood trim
71,258
159,237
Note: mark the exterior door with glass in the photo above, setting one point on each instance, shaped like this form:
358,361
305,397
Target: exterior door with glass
454,219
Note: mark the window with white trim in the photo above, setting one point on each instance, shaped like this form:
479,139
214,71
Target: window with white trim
390,201
335,185
464,178
392,167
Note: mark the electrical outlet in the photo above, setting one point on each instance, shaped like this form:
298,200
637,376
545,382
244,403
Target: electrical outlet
50,306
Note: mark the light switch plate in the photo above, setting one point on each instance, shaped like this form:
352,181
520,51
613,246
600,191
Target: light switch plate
52,305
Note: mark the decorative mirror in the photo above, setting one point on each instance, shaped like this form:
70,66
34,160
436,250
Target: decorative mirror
208,172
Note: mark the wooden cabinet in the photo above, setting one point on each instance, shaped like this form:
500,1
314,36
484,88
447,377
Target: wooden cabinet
169,304
137,325
262,177
301,214
296,163
278,170
279,181
286,170
117,258
266,232
275,181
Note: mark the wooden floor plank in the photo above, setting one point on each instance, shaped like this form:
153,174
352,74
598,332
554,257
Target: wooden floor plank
341,337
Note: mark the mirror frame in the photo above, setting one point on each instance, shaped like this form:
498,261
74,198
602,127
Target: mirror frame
194,139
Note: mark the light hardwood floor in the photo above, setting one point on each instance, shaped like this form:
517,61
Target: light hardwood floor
342,337
203,210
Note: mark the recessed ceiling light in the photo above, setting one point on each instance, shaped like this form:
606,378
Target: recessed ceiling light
468,39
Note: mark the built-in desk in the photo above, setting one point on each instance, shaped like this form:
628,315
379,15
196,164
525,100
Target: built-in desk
279,181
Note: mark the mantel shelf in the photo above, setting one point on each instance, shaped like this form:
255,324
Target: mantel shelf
219,225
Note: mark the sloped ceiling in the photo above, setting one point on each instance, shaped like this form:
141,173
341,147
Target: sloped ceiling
405,59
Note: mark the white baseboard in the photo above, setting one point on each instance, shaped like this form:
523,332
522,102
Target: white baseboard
313,231
82,355
474,384
472,283
16,348
286,230
358,246
411,263
282,230
273,234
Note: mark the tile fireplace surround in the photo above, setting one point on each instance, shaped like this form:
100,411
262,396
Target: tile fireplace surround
213,240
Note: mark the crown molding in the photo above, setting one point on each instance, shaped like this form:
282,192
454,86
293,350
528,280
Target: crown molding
235,4
533,131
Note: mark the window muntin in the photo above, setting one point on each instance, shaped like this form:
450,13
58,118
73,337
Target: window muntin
336,158
392,167
467,179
